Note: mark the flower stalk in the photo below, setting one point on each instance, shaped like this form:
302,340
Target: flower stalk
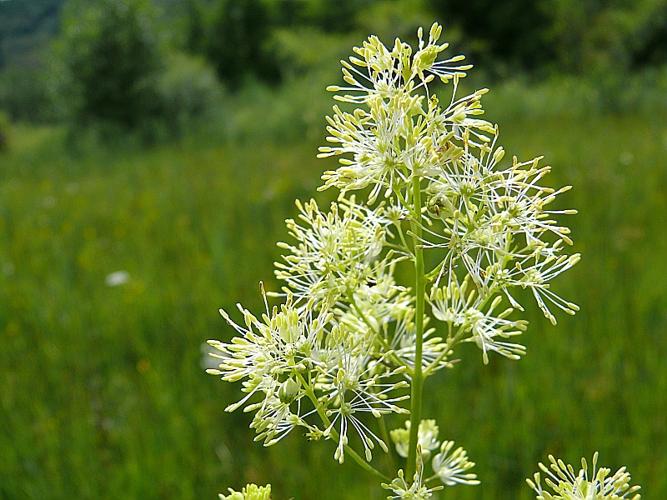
417,381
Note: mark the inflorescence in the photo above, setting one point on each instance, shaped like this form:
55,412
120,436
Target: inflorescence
349,342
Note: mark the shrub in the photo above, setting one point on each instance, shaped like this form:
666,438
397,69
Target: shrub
235,41
112,61
4,132
25,95
188,92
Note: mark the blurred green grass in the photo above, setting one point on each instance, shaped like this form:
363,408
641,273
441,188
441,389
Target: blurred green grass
102,390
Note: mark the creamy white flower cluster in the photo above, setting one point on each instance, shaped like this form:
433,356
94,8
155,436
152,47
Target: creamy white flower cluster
249,492
566,484
339,352
323,371
489,225
416,490
451,468
323,360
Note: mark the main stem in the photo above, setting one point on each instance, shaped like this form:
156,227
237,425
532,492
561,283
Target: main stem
420,292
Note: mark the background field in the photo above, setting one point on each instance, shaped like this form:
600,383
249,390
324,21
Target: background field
102,390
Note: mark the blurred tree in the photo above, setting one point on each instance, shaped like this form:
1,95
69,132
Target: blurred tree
401,19
111,60
4,132
25,94
2,49
607,37
189,93
651,37
195,36
508,32
336,16
236,40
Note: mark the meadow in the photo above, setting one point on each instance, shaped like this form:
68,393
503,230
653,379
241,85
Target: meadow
102,388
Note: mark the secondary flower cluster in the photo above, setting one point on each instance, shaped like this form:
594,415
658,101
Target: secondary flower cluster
339,352
249,492
416,490
323,360
566,484
451,468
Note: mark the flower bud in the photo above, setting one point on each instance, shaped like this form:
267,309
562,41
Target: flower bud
288,391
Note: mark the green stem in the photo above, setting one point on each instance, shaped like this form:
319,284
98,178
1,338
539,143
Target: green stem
417,384
325,420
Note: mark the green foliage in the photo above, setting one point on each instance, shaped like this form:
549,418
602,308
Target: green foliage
578,97
577,36
112,59
509,32
237,34
25,95
243,39
538,37
340,18
195,28
608,36
4,132
118,78
389,20
189,93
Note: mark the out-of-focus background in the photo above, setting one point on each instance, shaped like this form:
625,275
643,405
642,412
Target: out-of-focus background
149,152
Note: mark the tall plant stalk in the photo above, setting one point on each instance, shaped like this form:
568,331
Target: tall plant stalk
417,382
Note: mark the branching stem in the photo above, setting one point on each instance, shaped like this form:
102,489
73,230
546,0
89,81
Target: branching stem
325,420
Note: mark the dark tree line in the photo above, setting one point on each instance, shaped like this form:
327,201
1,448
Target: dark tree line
116,58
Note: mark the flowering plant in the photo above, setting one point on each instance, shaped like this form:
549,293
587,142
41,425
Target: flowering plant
349,344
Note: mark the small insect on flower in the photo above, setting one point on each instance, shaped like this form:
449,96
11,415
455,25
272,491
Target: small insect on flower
598,484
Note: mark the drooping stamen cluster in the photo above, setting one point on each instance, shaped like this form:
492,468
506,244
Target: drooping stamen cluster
493,225
451,467
463,308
